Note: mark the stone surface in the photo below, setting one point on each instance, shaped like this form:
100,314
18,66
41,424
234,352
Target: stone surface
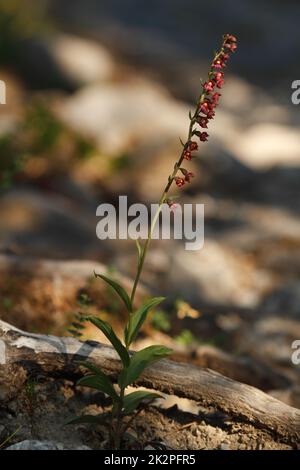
83,61
120,115
44,445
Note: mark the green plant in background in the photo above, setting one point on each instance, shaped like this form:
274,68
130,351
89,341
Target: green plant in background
42,126
161,321
133,364
185,338
40,135
11,161
76,327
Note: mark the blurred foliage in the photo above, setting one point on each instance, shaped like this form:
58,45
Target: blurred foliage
43,128
19,20
76,327
120,162
160,321
7,303
11,161
185,338
41,144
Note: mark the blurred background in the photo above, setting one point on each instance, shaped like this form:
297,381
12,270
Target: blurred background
98,94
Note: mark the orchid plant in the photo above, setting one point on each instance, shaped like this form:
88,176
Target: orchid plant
133,364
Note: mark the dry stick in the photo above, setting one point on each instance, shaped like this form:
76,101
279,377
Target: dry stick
23,353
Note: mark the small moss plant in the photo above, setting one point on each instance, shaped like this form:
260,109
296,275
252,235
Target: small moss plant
132,365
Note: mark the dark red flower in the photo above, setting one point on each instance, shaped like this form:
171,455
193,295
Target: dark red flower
203,136
224,57
202,121
229,38
204,107
209,86
218,64
187,155
179,181
232,47
193,146
211,114
215,98
188,176
218,76
172,205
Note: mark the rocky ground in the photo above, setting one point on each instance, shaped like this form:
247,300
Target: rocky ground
110,125
42,414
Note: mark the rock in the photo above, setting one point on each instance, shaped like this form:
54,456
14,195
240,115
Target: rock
34,51
224,446
266,145
82,60
120,115
271,339
218,274
45,445
2,432
32,222
221,170
68,61
284,300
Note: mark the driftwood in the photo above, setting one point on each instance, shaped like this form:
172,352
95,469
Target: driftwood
23,354
248,370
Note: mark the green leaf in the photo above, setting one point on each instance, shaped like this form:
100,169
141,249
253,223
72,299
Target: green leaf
99,382
94,419
134,399
119,289
111,336
139,361
137,319
109,388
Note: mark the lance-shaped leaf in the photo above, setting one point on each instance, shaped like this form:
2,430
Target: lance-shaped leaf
111,336
137,319
139,361
99,382
134,399
93,419
118,289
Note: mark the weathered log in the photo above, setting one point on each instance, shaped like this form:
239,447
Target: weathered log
23,354
248,370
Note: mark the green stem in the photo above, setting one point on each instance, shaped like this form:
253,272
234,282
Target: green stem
118,430
161,202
